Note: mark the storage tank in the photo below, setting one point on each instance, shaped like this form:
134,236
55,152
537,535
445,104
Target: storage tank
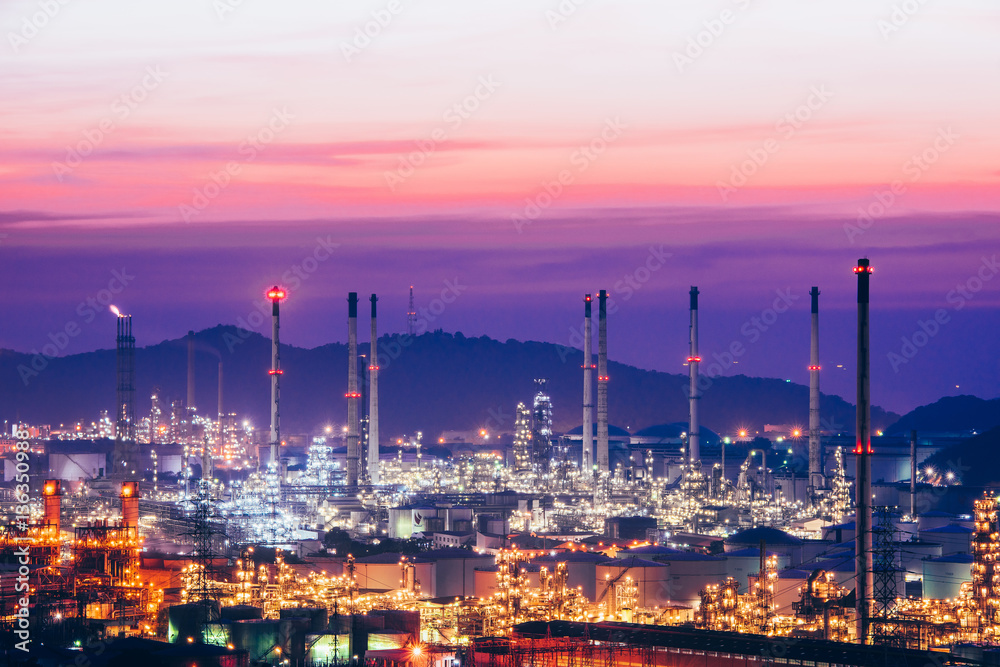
952,538
652,580
241,612
943,577
929,520
292,631
258,637
689,573
382,572
318,617
454,571
187,620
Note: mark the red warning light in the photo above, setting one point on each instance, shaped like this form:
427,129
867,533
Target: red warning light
863,269
814,368
275,293
692,360
275,372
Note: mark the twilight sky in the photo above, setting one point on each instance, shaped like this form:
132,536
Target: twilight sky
530,151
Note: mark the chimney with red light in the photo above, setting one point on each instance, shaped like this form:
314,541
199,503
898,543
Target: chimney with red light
588,389
694,440
816,480
52,494
603,464
352,389
373,448
863,451
130,505
275,294
190,375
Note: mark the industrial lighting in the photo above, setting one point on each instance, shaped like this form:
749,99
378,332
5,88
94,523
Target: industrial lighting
276,294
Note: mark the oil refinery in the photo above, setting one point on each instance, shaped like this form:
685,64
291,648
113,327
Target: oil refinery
197,539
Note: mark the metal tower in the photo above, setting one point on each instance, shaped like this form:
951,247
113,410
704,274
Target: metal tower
885,630
411,316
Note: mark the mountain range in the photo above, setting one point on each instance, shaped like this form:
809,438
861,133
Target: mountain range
433,382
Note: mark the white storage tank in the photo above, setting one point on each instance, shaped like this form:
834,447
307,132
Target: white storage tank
651,578
953,539
454,571
943,577
382,572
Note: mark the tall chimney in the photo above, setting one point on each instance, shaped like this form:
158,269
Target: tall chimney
52,493
275,294
222,432
863,451
190,392
602,382
588,389
694,441
913,475
373,448
130,506
352,389
126,450
816,480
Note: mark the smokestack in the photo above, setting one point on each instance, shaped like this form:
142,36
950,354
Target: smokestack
190,398
816,480
52,492
126,451
352,389
694,442
130,505
863,451
221,412
602,382
373,448
588,388
913,475
275,294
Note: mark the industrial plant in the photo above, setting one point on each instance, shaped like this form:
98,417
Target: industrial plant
194,538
